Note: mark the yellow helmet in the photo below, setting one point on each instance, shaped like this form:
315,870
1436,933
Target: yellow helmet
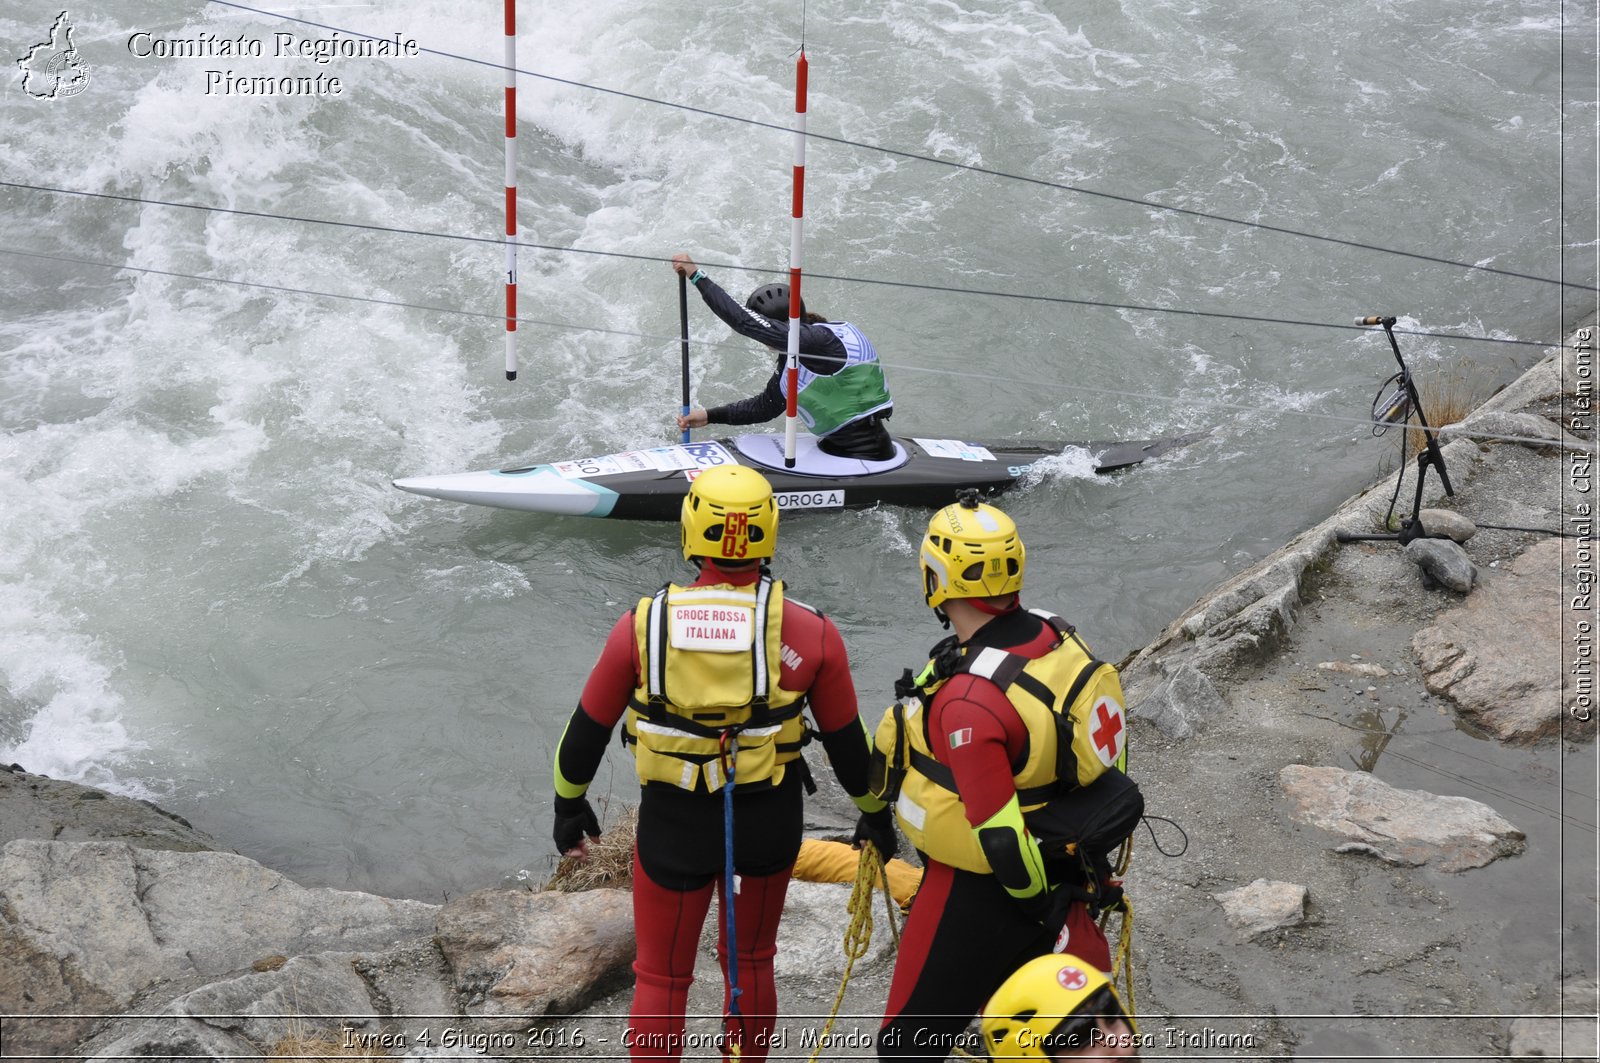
1048,1004
729,513
972,550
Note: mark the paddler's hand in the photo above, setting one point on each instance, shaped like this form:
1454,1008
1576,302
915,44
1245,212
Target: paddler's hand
695,418
683,265
574,819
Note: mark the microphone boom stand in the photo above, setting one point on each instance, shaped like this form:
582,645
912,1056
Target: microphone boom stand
1410,527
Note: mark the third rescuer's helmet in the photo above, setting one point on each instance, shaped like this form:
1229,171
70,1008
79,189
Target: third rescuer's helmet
729,513
772,301
972,550
1047,1005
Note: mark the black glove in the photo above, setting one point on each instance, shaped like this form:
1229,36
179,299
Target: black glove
1039,907
877,828
574,819
1049,908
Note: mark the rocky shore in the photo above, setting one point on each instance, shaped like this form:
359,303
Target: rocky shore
1370,770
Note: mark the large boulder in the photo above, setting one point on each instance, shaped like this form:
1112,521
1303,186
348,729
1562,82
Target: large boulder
1405,827
516,954
816,919
86,927
36,806
1528,429
1179,702
1493,654
320,995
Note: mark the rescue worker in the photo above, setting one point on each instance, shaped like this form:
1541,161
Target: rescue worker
1058,1007
713,679
843,398
996,696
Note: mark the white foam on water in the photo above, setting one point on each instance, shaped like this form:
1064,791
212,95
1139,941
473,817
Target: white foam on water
294,408
62,486
1073,463
59,682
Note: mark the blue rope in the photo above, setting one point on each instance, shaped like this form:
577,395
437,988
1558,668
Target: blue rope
732,939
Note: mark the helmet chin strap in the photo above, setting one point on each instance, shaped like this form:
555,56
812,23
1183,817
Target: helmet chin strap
943,618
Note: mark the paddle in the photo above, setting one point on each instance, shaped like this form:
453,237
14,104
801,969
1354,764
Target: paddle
683,320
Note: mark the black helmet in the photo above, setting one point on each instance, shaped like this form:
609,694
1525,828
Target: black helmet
772,301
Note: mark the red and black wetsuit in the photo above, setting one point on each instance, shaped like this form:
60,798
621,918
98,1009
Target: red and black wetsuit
679,852
966,934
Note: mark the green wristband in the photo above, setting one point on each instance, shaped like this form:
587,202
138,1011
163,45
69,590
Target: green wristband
694,278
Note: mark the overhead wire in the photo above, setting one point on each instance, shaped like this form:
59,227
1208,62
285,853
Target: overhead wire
500,241
663,338
287,289
969,167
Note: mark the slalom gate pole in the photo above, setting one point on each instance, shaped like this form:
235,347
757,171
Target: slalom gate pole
792,410
511,189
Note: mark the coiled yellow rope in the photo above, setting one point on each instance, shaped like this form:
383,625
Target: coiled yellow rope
858,933
1122,963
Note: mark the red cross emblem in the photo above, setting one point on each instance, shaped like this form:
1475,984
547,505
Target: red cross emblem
1072,978
1107,733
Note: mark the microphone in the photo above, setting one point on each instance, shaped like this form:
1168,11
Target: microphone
1375,319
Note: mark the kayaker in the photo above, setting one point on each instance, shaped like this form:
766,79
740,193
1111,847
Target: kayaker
1058,1007
843,399
990,900
715,671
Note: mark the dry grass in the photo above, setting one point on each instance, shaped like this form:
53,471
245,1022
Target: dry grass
1448,396
610,862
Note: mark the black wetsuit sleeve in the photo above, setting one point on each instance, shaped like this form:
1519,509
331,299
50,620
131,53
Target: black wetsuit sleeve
582,746
849,755
821,351
757,408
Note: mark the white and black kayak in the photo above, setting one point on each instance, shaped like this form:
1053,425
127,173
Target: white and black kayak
650,484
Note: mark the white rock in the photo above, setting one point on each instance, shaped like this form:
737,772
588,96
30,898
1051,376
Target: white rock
1406,827
1264,905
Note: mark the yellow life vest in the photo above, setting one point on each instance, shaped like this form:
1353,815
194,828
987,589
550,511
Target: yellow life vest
708,688
1071,704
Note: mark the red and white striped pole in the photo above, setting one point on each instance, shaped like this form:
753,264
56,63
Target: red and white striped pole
511,189
791,412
